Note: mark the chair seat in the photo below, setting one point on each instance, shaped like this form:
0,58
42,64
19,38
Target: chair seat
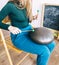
41,35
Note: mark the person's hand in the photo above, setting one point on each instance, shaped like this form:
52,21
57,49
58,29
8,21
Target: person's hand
36,16
14,30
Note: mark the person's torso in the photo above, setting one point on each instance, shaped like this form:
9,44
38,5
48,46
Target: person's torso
18,16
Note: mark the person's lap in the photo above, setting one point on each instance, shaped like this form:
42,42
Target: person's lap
24,43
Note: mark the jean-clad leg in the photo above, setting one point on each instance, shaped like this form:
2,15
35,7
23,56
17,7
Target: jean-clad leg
23,42
50,47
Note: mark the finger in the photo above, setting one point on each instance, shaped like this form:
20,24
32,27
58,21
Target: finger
19,31
16,32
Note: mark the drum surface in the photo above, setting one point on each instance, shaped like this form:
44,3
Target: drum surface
41,35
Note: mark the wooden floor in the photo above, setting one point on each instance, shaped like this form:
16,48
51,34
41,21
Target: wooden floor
16,57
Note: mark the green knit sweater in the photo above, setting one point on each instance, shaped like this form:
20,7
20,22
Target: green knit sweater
17,16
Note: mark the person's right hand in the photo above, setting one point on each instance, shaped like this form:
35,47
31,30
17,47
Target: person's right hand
14,30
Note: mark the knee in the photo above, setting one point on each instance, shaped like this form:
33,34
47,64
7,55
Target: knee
46,52
53,44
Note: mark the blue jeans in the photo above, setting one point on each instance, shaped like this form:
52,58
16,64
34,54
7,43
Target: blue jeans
23,42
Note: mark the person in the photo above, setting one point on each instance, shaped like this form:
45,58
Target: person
19,12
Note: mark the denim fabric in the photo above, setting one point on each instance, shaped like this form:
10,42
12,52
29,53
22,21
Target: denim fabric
23,42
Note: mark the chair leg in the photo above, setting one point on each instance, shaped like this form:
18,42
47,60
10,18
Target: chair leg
58,37
6,49
33,57
23,59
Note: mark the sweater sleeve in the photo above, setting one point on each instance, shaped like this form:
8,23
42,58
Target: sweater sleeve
3,13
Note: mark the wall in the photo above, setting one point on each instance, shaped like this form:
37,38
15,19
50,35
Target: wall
37,5
3,3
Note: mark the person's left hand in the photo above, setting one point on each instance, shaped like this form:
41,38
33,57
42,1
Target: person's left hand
35,17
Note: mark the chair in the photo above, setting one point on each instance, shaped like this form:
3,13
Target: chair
6,46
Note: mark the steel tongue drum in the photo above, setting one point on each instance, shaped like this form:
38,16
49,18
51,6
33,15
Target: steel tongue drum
41,35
